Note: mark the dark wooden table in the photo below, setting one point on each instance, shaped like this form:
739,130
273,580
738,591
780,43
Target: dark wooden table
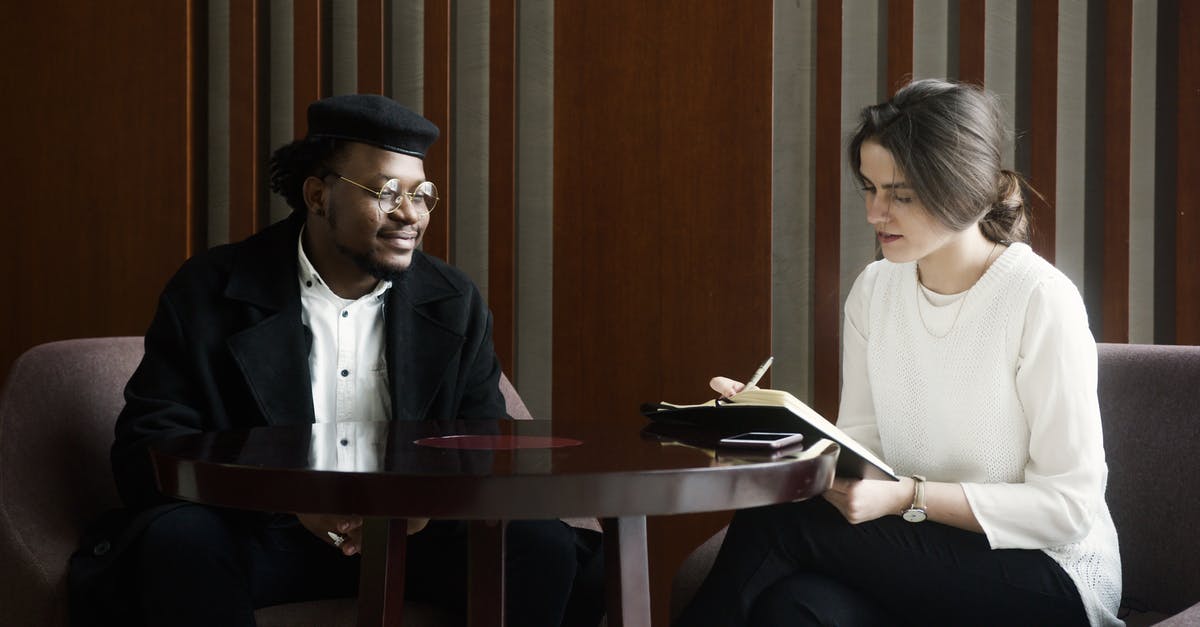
615,472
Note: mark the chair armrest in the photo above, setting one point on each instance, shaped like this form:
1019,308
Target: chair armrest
1187,618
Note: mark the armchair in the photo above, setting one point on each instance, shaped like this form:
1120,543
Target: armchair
57,411
1150,409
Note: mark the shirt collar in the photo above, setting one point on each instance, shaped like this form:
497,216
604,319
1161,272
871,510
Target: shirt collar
310,278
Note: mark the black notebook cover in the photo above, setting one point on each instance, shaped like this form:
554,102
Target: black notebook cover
728,419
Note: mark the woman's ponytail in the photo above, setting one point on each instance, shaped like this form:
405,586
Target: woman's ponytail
1007,221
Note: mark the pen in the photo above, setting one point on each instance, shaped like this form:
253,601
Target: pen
758,374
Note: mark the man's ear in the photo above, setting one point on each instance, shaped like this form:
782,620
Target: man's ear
314,191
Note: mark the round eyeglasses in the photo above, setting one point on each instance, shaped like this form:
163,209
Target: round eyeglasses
422,199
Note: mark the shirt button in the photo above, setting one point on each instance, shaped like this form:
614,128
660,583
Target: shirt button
345,313
345,373
308,283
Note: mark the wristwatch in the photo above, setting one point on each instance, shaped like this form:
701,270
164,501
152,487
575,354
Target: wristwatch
916,512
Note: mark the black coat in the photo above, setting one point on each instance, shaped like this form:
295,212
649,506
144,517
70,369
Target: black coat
227,350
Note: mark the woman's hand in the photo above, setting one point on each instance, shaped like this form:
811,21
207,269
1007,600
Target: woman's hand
864,500
726,387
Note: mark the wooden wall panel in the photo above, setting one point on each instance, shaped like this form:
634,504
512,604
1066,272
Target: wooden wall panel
438,106
827,224
1043,117
971,40
247,118
1118,54
662,215
373,47
1187,232
104,200
310,58
502,179
899,44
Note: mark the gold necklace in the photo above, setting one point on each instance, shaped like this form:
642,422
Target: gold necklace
987,263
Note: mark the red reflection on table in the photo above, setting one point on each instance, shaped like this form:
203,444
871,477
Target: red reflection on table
496,442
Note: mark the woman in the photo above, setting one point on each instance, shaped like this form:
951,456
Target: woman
969,367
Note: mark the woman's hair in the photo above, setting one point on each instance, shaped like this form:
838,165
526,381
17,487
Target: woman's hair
291,164
946,139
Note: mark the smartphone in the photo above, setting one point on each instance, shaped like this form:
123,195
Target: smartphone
762,440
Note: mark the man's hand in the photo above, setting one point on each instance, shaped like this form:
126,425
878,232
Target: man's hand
347,528
867,499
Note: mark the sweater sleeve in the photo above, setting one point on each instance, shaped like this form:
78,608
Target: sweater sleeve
856,412
1065,472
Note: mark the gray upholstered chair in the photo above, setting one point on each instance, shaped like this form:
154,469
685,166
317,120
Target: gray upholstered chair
1150,408
57,410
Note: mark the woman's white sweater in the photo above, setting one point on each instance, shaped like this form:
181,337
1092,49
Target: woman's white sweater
994,389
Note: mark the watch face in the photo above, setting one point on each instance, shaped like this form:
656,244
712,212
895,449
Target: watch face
914,515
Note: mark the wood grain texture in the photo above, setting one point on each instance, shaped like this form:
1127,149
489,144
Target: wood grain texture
247,110
1043,130
1118,59
827,202
502,179
662,214
899,44
438,107
971,38
92,262
310,59
373,47
1187,232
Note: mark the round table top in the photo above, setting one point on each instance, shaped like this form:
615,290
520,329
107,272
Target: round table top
526,469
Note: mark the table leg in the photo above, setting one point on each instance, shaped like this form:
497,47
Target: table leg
626,574
381,573
485,568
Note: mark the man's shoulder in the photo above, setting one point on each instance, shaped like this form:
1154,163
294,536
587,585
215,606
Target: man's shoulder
428,270
212,267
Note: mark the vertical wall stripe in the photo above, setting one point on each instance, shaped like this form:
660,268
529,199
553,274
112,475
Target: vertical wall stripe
218,122
1043,121
862,39
535,200
1187,242
438,107
406,50
1000,64
310,43
792,197
1166,156
1143,117
899,44
971,38
373,22
502,173
1118,43
1070,145
931,39
343,47
281,108
469,119
827,188
247,207
196,132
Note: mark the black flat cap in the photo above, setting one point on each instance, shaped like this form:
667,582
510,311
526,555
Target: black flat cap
371,119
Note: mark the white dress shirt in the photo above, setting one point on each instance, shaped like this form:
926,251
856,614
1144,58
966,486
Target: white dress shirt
346,362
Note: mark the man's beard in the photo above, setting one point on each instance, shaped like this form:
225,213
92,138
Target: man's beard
363,260
372,267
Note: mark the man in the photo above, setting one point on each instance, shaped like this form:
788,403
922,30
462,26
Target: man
330,315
